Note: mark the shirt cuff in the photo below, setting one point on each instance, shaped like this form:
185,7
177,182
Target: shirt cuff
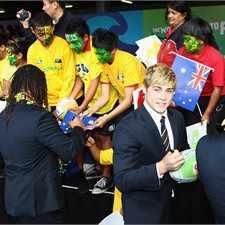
158,173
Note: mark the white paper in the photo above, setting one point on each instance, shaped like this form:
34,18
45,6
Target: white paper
114,218
2,105
148,50
195,132
145,41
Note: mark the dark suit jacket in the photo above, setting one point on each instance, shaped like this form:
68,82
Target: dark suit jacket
211,166
137,147
30,145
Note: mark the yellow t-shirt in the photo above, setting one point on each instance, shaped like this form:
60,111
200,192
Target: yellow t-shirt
57,62
3,64
89,68
106,158
126,70
8,71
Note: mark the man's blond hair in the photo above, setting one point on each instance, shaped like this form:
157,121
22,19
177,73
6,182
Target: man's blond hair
160,74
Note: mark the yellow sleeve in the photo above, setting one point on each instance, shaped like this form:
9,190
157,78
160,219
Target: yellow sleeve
104,77
8,71
68,73
106,157
134,73
95,71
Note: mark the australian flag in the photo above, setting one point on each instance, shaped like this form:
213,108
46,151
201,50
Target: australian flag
191,77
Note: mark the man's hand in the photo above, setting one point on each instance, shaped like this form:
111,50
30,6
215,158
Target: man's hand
89,112
78,109
25,23
205,118
170,162
76,123
101,121
90,142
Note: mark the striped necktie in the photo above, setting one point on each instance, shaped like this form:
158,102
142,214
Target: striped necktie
164,134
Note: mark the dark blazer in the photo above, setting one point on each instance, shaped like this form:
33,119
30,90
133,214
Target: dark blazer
137,147
211,167
30,146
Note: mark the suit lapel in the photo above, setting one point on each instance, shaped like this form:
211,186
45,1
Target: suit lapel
150,125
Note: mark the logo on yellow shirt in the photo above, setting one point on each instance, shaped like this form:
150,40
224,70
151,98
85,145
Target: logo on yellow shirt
120,77
58,60
39,61
82,70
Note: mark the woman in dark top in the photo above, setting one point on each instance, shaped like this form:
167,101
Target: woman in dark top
177,13
31,142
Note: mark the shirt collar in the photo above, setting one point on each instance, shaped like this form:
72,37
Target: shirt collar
88,45
153,113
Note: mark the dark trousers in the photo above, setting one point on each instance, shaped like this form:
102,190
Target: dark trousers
54,217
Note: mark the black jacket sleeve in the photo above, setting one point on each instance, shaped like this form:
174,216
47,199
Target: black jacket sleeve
50,135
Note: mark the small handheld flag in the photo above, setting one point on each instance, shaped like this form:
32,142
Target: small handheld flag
191,78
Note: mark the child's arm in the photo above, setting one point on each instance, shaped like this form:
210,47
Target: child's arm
104,157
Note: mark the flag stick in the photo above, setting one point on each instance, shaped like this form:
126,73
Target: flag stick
200,112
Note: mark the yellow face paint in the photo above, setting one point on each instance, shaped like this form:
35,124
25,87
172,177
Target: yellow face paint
45,33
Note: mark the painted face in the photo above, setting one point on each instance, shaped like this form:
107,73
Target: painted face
48,8
175,18
103,55
12,59
159,97
44,34
192,44
76,42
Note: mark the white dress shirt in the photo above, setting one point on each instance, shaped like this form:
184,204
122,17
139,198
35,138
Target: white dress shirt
156,118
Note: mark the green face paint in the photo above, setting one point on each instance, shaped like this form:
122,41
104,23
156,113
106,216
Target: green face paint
103,55
76,42
47,39
11,52
192,44
12,59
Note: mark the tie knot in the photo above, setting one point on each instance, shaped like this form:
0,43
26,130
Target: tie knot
162,120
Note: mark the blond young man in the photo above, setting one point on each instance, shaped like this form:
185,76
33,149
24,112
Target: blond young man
145,147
